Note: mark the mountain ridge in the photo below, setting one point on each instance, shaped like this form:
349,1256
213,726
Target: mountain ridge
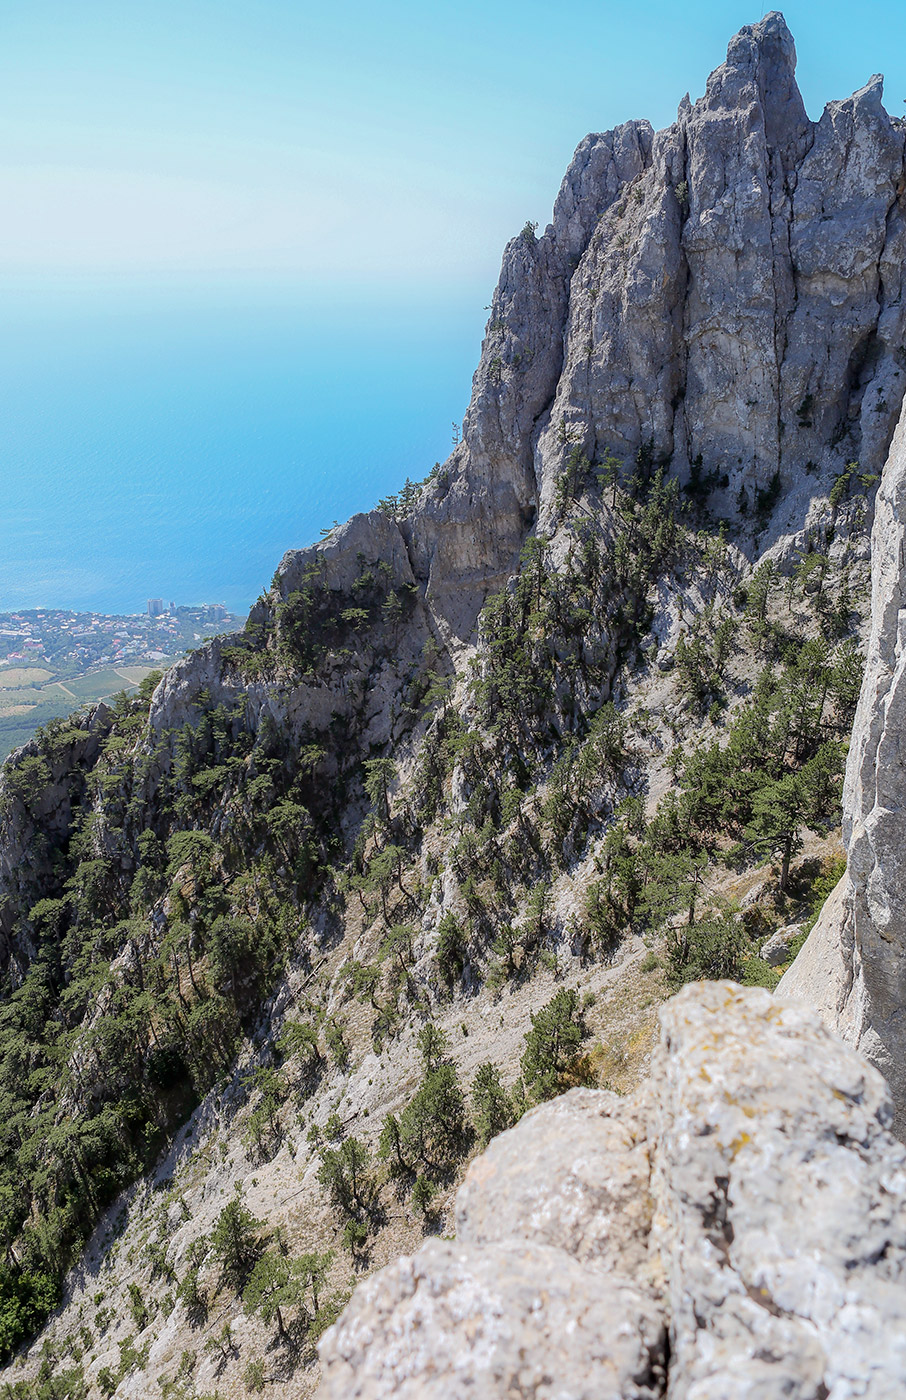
499,745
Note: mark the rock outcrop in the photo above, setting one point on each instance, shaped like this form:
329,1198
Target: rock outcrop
726,294
749,1202
513,1319
724,297
365,688
853,965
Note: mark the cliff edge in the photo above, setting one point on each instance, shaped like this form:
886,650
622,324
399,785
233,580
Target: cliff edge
736,1228
853,965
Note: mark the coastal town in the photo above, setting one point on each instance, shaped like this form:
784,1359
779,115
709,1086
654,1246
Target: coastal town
81,640
53,660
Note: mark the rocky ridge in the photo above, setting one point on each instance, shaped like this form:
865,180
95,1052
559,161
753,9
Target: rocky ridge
714,310
725,294
749,1201
728,290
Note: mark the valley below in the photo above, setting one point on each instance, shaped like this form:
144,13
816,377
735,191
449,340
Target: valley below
53,660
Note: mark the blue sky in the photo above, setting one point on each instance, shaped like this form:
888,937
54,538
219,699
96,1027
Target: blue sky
246,249
331,146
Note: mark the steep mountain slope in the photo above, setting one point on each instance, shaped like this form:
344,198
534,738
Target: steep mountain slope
487,772
853,965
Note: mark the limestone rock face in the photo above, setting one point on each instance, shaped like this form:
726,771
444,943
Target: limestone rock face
728,308
467,534
853,966
781,1203
576,1175
726,293
516,1319
766,1229
364,693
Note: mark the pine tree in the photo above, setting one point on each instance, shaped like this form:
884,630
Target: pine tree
236,1241
273,1286
492,1109
380,775
552,1043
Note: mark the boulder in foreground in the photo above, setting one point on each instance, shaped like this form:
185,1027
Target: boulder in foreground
748,1202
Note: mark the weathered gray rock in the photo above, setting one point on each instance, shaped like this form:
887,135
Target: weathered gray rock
776,950
778,1222
575,1175
513,1319
822,972
366,539
853,965
362,688
781,1204
727,291
472,521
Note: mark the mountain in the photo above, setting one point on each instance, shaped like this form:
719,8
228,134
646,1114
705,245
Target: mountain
852,967
488,774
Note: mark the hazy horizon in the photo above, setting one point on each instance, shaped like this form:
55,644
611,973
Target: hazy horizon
246,255
190,446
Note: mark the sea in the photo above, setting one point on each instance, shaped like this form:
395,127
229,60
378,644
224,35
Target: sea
172,440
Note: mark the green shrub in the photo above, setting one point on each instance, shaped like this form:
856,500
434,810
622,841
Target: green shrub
254,1376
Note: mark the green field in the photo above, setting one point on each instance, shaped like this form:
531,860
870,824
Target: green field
24,675
97,685
24,706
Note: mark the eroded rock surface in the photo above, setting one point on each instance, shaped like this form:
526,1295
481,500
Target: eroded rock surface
576,1175
853,965
750,1199
780,1203
726,293
516,1319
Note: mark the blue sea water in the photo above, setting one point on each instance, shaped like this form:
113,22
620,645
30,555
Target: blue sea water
174,441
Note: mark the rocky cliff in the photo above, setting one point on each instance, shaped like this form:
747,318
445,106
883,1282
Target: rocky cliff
489,772
727,292
735,1229
853,965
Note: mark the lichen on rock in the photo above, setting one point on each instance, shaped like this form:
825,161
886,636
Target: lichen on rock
768,1238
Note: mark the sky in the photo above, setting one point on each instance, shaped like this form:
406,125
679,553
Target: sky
247,248
394,146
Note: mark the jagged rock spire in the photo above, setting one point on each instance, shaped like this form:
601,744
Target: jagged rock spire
763,56
728,290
